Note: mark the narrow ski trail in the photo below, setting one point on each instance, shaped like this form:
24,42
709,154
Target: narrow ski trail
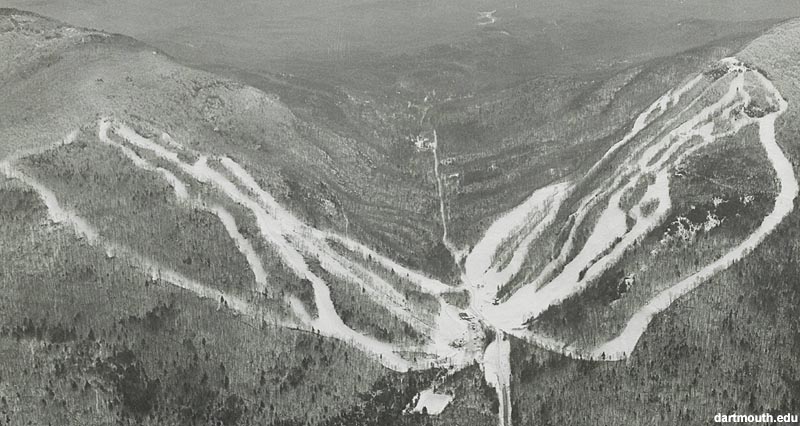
455,252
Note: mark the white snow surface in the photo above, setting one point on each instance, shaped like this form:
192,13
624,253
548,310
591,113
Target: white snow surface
433,403
497,373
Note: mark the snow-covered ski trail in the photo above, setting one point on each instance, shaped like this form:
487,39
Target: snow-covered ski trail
455,252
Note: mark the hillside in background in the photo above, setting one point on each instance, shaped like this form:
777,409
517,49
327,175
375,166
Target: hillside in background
567,37
63,78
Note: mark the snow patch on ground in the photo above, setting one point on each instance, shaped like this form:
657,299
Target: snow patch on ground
433,403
